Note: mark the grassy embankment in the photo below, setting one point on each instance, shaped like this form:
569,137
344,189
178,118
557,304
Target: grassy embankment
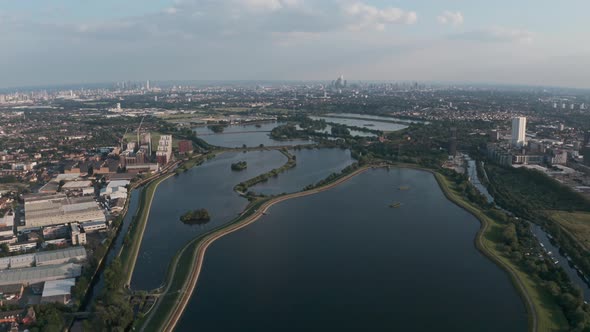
577,224
182,268
178,274
242,187
539,302
544,315
130,248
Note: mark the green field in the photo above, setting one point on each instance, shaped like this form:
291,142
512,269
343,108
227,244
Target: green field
576,223
549,315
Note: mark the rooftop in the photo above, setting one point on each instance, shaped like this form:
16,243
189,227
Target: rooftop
58,287
39,274
68,253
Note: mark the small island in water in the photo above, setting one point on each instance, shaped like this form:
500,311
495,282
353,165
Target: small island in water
239,166
199,216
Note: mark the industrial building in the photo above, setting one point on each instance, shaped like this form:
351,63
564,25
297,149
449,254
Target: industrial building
53,257
93,226
78,238
68,255
6,231
76,185
33,275
48,210
115,189
15,262
185,147
58,291
11,292
22,246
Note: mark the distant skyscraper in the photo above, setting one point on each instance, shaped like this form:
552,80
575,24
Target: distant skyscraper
339,83
519,131
147,85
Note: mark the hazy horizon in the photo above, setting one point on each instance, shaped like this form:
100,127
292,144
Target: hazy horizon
528,43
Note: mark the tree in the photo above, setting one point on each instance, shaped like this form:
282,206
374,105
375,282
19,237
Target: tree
195,217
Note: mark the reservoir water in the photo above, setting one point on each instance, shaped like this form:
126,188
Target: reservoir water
312,166
343,260
208,186
251,135
369,124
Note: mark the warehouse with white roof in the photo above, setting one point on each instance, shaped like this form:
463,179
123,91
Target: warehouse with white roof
33,275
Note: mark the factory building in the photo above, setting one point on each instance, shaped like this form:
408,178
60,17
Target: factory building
59,291
54,257
48,210
33,275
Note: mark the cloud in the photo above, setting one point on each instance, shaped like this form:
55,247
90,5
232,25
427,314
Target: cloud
450,17
267,5
367,16
170,10
498,34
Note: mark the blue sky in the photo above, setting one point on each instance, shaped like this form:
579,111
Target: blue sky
538,42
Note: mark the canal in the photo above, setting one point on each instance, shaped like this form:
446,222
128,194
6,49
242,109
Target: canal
549,246
98,282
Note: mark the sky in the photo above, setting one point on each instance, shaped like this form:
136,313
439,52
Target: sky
531,42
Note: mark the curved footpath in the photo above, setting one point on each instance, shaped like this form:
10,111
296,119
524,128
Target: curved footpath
197,262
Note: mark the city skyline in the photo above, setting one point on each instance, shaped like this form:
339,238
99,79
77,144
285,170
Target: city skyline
524,43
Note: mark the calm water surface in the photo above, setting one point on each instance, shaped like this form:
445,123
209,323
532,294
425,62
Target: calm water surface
208,186
374,117
312,166
343,260
251,135
372,124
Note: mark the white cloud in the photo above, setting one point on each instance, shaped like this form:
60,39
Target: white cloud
261,4
498,34
170,10
268,5
450,17
367,16
511,34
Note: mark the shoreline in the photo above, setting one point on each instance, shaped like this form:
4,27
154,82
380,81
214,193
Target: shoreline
203,243
516,281
142,223
481,247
